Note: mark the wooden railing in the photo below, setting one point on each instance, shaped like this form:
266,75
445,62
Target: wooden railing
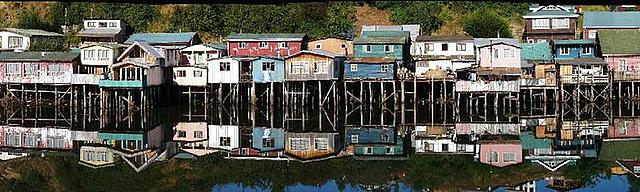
625,75
575,78
85,79
491,86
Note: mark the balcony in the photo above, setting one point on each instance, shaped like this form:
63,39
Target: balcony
490,86
626,75
86,79
589,79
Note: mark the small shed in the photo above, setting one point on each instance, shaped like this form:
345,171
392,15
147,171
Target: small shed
314,65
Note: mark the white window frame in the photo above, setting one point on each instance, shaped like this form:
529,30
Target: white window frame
16,69
354,67
366,150
367,48
283,44
318,46
225,66
531,40
299,144
242,45
384,68
321,144
319,67
181,73
298,67
509,53
564,51
343,46
15,42
388,48
430,46
444,46
461,47
622,65
490,156
264,44
592,34
505,160
197,73
540,24
560,23
354,138
198,134
586,51
390,150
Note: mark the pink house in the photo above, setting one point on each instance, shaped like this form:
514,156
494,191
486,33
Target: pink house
624,129
497,52
268,44
621,52
500,153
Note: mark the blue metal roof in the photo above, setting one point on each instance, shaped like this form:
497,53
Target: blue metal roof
574,42
156,38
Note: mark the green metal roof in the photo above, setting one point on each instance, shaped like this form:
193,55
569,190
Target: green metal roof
613,150
39,56
535,52
529,141
386,33
574,42
32,32
628,19
619,41
380,40
218,46
266,36
157,38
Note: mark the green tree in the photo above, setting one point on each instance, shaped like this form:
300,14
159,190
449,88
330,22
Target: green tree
29,19
423,13
340,19
204,18
47,44
486,24
137,16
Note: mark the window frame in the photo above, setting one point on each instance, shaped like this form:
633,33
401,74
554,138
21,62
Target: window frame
318,46
242,45
560,23
444,46
388,48
561,52
197,73
264,45
585,52
384,68
354,67
283,44
461,47
540,24
12,40
268,66
491,155
225,66
504,157
181,73
367,48
321,144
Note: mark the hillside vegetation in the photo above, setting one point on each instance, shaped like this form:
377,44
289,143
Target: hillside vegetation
214,22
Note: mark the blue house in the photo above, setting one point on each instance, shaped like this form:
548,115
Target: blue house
268,139
572,49
370,135
267,69
377,55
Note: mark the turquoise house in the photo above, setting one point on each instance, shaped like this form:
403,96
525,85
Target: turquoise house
396,149
377,55
358,135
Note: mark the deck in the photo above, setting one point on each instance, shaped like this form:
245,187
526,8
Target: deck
589,79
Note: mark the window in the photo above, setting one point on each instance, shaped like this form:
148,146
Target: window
197,73
354,67
318,46
354,138
198,134
225,141
30,140
461,147
12,69
91,24
367,48
268,66
55,69
445,147
636,169
429,46
102,24
181,73
182,134
390,150
225,66
531,40
495,53
542,40
540,23
298,67
264,44
319,68
12,139
343,46
384,68
388,48
509,157
564,50
90,55
592,34
0,42
493,157
283,44
586,50
299,143
461,47
268,142
15,42
622,65
113,24
560,23
444,47
243,45
31,70
55,142
103,54
509,53
385,138
368,150
321,143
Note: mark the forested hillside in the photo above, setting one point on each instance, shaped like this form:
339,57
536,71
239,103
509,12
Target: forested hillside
315,19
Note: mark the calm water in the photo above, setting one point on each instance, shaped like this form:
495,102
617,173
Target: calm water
161,126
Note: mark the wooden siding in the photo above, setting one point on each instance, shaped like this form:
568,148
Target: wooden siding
311,152
377,50
567,76
501,149
217,76
15,72
490,86
190,129
486,57
112,55
253,49
550,33
631,72
306,60
380,149
277,136
217,132
86,151
260,75
624,128
369,71
191,77
43,138
333,45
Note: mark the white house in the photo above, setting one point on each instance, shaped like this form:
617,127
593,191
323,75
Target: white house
96,156
224,70
448,53
19,40
225,137
101,31
439,139
96,58
199,54
190,75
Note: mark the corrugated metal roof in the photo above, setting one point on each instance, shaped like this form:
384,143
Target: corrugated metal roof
331,36
156,38
317,52
146,47
386,34
619,41
535,52
32,32
574,42
222,46
530,142
550,13
482,42
380,40
267,36
39,56
109,32
444,38
110,45
629,19
413,29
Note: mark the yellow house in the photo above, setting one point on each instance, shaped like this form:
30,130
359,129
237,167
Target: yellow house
338,45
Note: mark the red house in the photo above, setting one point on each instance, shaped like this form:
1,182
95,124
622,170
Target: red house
265,44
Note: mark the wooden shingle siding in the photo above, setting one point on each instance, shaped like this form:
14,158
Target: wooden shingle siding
307,60
369,71
311,152
377,50
261,75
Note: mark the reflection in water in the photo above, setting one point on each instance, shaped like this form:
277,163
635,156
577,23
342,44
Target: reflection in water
498,137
